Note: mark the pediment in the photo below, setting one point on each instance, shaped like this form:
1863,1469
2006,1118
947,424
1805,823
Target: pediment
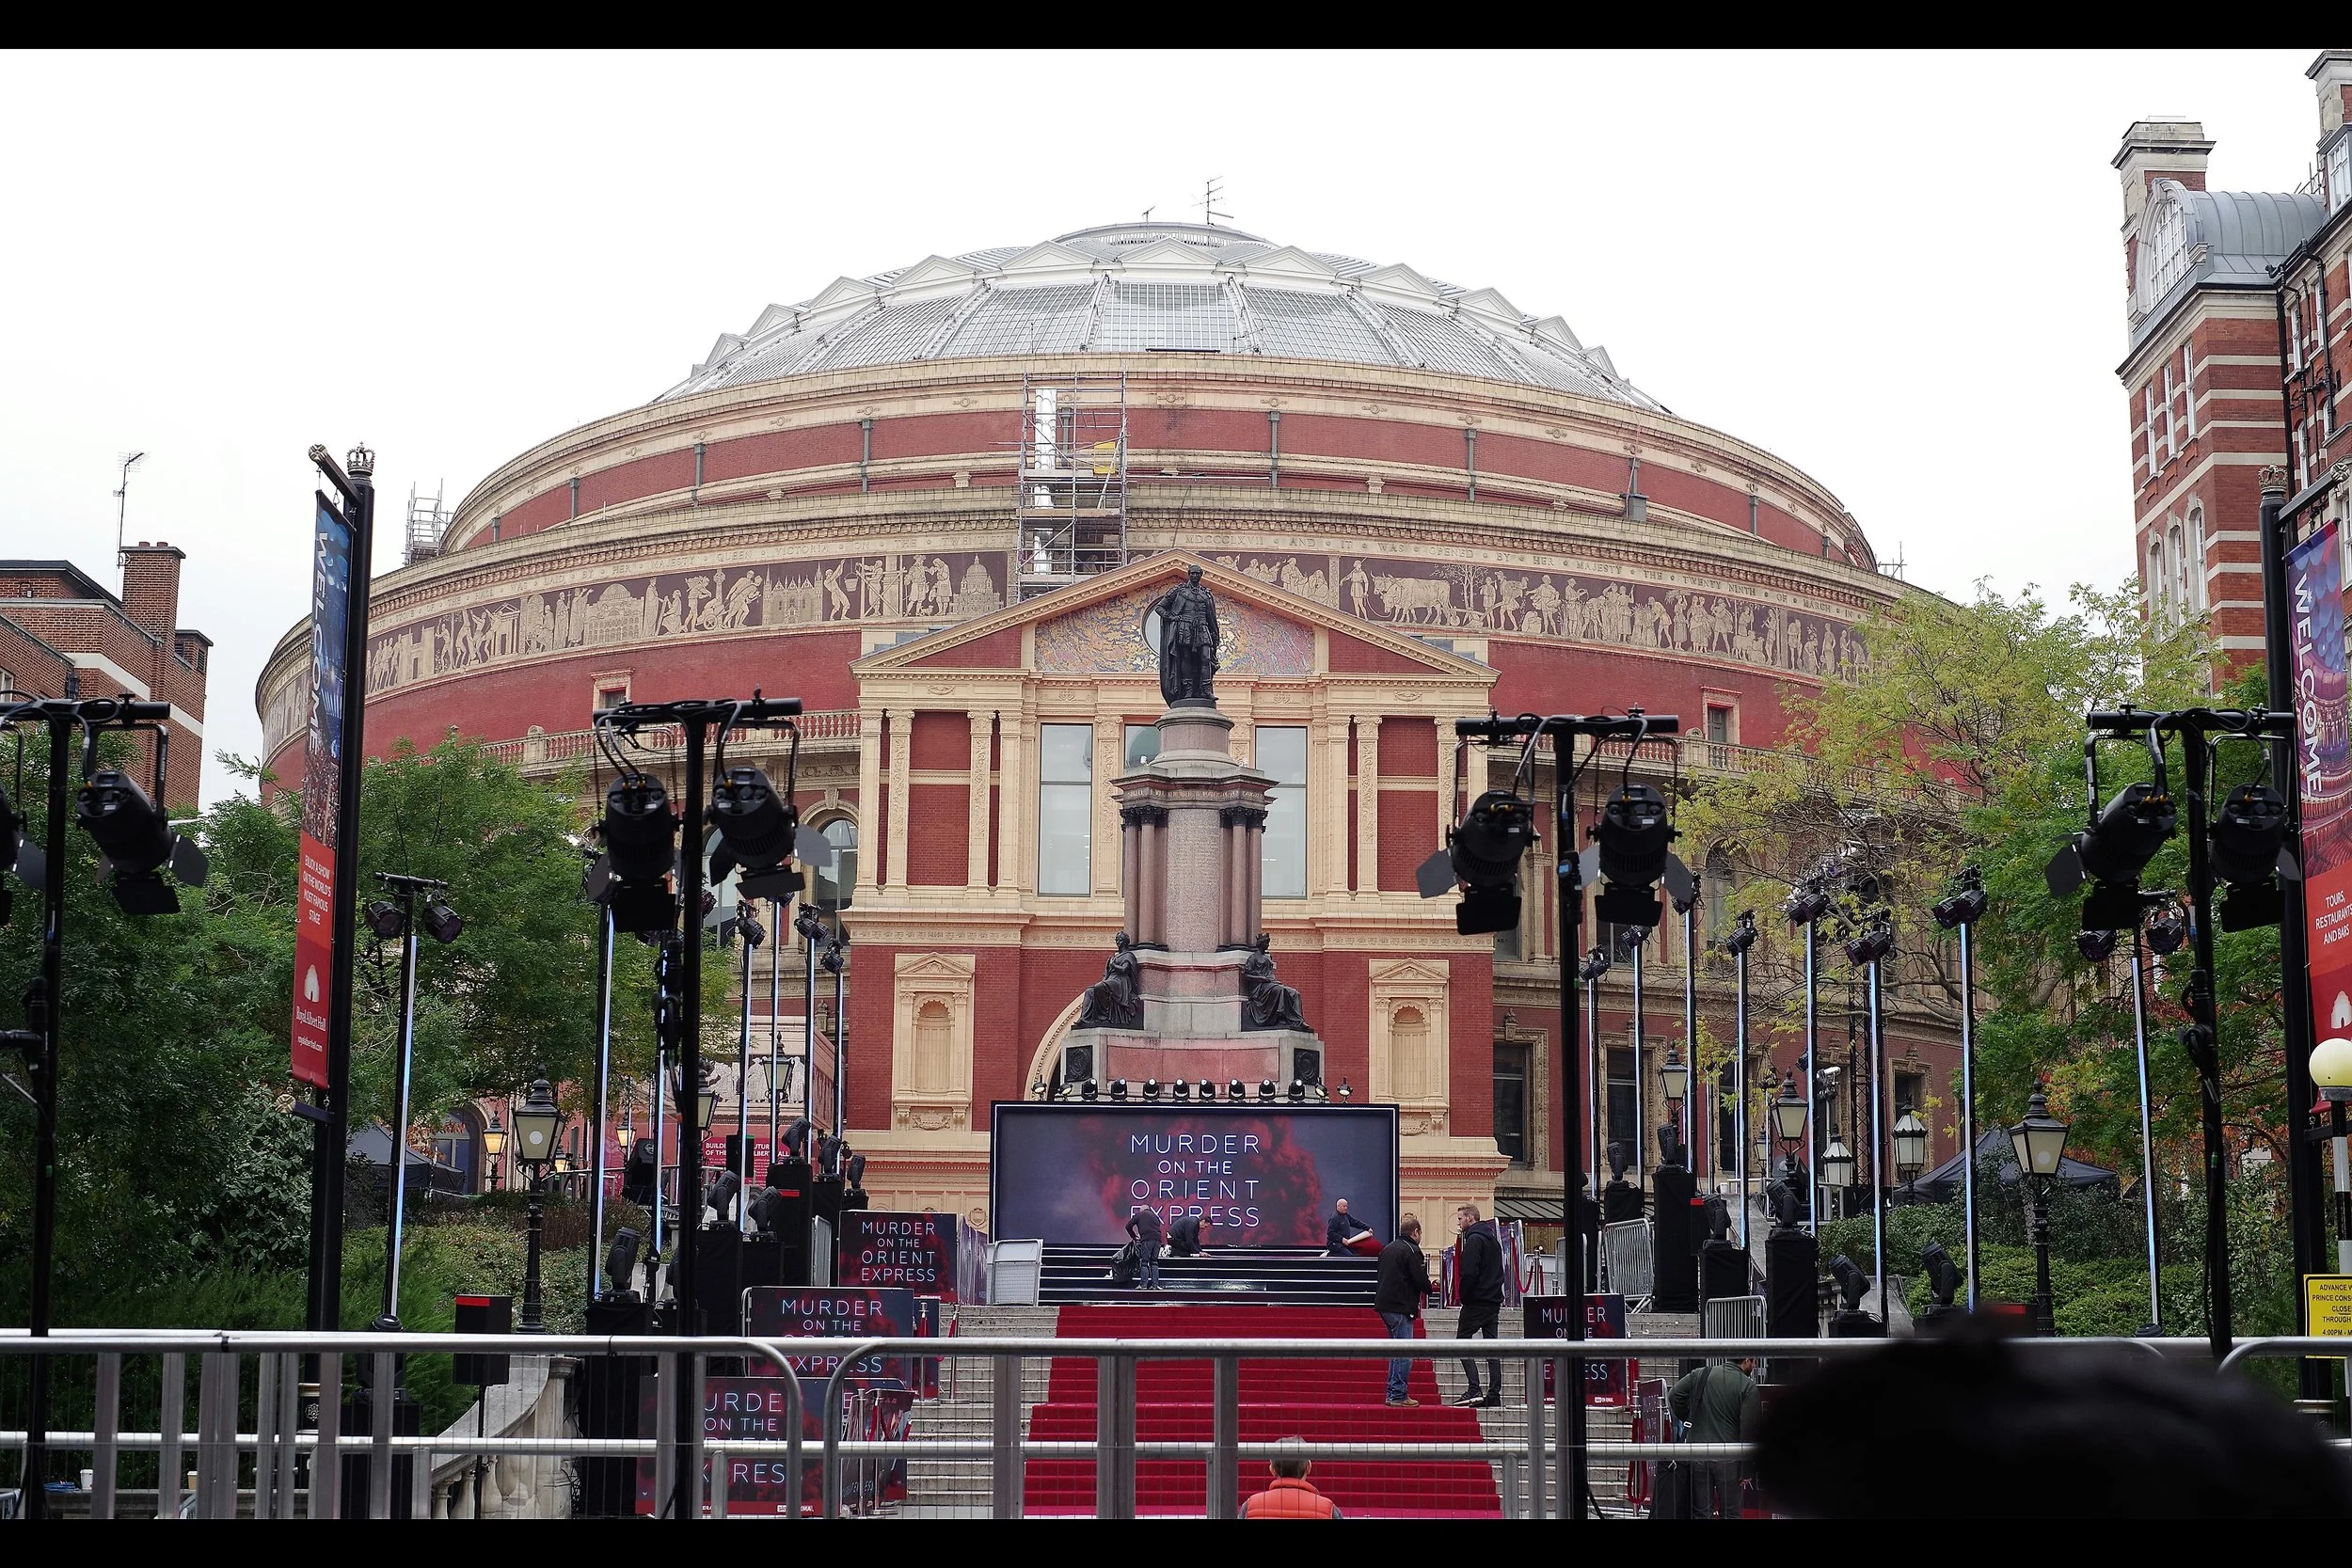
932,271
1553,329
1489,302
773,317
843,290
1049,257
1271,609
1166,253
729,342
934,966
1398,279
1408,972
1289,261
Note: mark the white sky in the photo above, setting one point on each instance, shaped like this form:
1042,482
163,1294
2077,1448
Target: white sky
1901,273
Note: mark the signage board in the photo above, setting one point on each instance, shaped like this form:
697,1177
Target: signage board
2323,772
322,801
1547,1318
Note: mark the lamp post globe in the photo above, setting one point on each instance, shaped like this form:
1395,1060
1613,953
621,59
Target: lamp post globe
1911,1146
537,1121
1837,1165
2039,1142
2331,1075
494,1151
2332,1069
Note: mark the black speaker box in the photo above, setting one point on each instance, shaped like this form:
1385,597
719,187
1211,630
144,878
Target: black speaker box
611,1394
359,1417
1674,1261
726,1265
1792,1265
1722,1270
1620,1201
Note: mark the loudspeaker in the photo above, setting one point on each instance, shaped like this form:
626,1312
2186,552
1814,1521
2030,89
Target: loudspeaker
358,1421
735,1154
726,1264
610,1400
1077,1065
482,1315
1723,1271
1620,1201
1792,1265
1674,1261
788,1213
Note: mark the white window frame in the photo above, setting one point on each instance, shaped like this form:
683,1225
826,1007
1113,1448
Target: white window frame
2155,465
2196,536
2189,394
2294,332
2155,574
2340,173
2176,554
2171,431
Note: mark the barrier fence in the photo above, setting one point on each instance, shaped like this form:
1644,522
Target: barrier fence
969,1438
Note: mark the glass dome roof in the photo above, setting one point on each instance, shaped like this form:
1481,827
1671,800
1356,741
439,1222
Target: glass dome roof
1161,288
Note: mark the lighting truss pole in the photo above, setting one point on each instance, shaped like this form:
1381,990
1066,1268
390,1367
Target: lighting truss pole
1593,1077
604,1093
1688,1115
698,719
776,1023
1641,1086
1811,1064
747,933
1576,1486
2201,1038
1968,1098
405,889
1740,1076
2147,1138
1878,1146
44,1008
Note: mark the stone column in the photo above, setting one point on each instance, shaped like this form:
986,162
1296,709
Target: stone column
1253,873
1016,800
1131,868
1152,853
976,851
1327,810
901,785
1449,765
1367,803
1236,878
870,815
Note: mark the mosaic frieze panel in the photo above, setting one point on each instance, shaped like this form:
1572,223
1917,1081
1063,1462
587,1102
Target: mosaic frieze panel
1423,595
795,593
1108,638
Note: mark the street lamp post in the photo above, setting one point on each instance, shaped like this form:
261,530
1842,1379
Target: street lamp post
2040,1144
537,1121
1674,1084
1911,1149
1791,1116
391,921
494,1153
1837,1165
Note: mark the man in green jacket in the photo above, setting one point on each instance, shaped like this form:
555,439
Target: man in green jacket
1719,1403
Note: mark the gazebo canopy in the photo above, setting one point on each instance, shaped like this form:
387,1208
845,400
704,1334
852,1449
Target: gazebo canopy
1942,1184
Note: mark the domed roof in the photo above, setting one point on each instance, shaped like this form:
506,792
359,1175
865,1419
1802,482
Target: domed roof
1161,288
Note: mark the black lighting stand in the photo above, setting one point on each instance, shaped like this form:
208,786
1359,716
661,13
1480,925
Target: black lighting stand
44,1007
405,889
1633,728
2201,1038
696,717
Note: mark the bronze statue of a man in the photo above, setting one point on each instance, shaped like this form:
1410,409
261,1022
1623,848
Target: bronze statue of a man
1188,643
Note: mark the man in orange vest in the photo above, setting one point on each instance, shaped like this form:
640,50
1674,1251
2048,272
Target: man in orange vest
1290,1495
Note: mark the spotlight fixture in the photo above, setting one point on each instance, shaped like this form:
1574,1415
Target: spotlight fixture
2248,842
1118,1089
1964,905
1595,964
1743,934
1298,1091
855,1170
1036,1088
1345,1093
640,846
385,919
1944,1279
1852,1282
1633,836
137,841
620,1260
795,1139
441,923
756,827
1183,1091
1266,1089
2094,945
2167,929
1484,851
1629,938
1873,942
1086,1091
2112,853
1208,1091
1150,1088
1234,1091
1806,902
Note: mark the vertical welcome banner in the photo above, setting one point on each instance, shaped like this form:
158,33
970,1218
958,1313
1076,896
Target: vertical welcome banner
2323,760
321,825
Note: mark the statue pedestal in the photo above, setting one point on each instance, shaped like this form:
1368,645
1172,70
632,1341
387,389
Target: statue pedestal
1193,823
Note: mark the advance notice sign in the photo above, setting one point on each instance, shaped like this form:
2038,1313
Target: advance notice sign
322,804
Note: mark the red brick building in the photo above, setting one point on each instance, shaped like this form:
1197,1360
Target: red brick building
62,635
932,503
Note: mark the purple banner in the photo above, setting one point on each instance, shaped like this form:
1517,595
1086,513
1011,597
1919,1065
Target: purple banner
2323,754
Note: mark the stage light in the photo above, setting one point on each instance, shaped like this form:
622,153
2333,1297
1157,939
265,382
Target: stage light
1150,1088
1873,943
640,846
795,1139
1806,903
2248,842
1183,1091
1633,837
1782,1200
757,827
722,1191
1266,1089
2094,945
1208,1091
1036,1088
747,925
1484,851
620,1262
137,841
2113,852
1086,1091
1345,1093
1118,1089
1852,1282
1298,1091
1234,1090
385,919
1629,938
441,923
1966,905
2168,929
856,1171
1743,934
1596,965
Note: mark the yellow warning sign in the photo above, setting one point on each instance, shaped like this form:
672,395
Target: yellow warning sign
2327,1305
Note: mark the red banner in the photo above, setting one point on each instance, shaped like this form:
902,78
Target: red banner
2323,757
322,807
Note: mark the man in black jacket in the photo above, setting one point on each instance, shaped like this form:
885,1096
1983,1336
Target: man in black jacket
1404,1283
1144,1226
1478,1266
1341,1226
1183,1237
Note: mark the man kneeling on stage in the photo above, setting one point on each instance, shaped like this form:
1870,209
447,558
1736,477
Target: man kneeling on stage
1183,1237
1341,1233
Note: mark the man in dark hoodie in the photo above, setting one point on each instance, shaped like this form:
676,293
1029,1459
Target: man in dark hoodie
1478,1267
1403,1284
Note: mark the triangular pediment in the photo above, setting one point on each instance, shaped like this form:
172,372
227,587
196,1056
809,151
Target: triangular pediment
931,272
1100,619
843,290
1289,261
729,342
1048,256
1553,329
1488,302
772,318
1398,279
1166,253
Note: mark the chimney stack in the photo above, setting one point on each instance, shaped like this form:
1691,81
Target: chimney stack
150,587
2166,147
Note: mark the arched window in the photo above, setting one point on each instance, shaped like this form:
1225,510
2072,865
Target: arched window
933,1027
2153,578
2197,558
835,883
2164,248
2180,569
1409,1050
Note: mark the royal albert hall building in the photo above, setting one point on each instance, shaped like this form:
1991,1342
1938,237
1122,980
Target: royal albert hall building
932,503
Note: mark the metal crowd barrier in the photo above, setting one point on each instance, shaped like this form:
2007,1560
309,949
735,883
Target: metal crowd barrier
1523,1443
1625,1261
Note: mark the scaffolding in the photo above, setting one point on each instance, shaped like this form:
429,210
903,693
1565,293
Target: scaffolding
1071,504
427,523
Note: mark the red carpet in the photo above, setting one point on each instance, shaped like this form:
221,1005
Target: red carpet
1320,1400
